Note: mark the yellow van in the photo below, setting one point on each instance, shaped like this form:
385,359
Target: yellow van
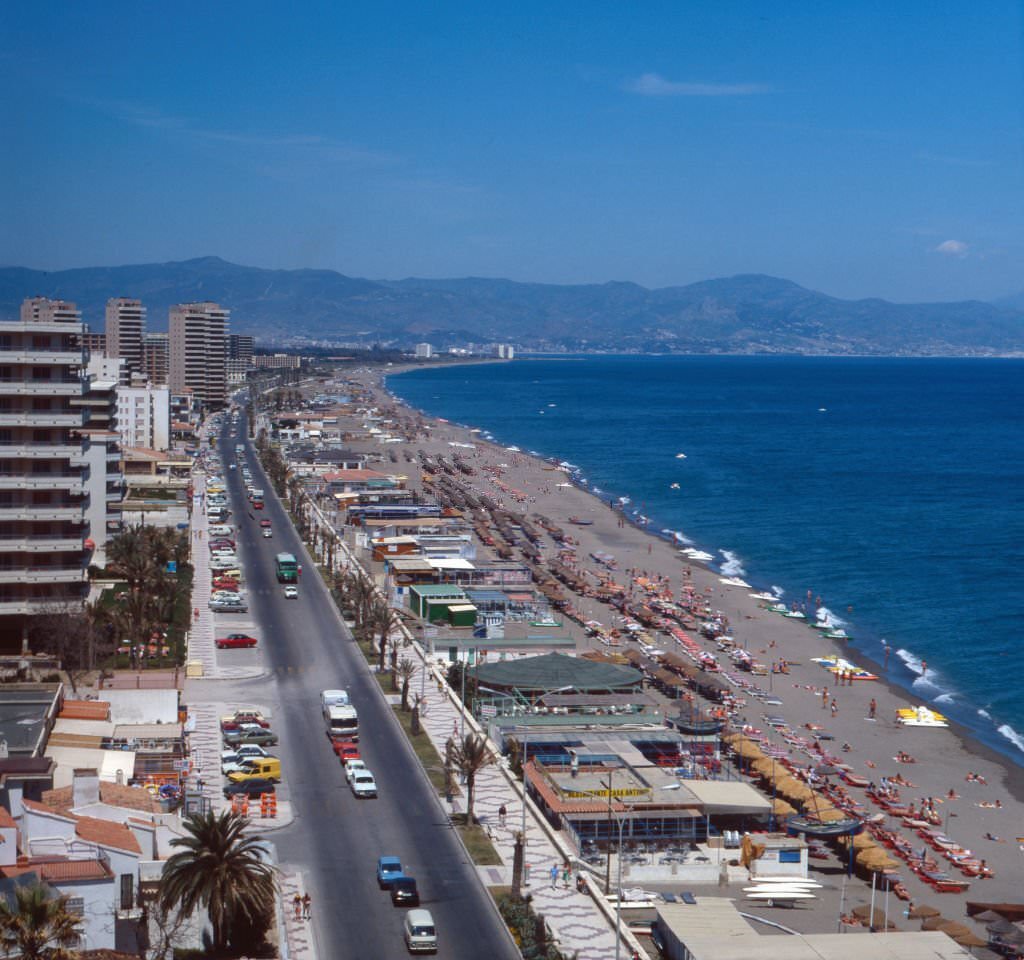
265,768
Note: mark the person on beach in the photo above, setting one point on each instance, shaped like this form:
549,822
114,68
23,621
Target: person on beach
835,707
307,901
502,814
873,709
824,698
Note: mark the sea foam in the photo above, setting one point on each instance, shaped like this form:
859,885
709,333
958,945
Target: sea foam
732,566
1015,738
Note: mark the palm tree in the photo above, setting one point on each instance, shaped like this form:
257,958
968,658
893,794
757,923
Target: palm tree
382,621
470,756
38,926
406,670
223,870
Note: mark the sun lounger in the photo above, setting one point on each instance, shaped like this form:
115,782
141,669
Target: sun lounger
688,897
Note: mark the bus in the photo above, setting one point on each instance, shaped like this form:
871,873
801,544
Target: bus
287,568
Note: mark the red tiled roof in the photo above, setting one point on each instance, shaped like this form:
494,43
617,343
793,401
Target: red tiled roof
44,808
116,794
85,710
106,833
71,871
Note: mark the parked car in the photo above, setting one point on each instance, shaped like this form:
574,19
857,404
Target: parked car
226,583
291,592
225,606
251,734
404,892
258,768
249,788
362,784
245,715
235,640
388,868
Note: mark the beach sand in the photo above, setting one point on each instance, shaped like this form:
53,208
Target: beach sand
943,757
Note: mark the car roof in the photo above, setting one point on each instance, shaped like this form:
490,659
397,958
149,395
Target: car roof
419,916
389,861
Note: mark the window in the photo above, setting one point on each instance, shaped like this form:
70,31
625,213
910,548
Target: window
789,856
127,891
76,905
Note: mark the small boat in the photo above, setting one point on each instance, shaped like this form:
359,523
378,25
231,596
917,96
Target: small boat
920,717
734,582
697,728
768,597
779,608
780,896
838,634
580,522
680,456
694,554
785,881
795,615
673,486
838,665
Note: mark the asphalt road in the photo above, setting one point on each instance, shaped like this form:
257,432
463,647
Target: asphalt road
336,839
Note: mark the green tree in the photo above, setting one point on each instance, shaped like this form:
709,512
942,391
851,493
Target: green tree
406,671
38,926
220,869
470,755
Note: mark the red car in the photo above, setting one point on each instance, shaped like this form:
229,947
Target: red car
345,750
257,504
234,722
264,523
225,583
235,640
222,542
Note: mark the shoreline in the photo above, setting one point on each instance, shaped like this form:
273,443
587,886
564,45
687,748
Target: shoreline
944,757
865,646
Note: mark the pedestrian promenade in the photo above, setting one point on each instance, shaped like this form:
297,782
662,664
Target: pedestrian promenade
575,919
299,933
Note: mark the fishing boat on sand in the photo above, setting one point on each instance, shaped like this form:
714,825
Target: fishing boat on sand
838,634
920,717
580,522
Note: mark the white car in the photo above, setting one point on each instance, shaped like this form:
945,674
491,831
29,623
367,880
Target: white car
353,766
362,783
267,533
291,593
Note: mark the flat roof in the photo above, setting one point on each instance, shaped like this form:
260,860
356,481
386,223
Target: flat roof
729,797
450,563
714,929
552,671
23,714
448,590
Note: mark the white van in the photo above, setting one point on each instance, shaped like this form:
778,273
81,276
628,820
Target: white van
221,530
420,933
333,698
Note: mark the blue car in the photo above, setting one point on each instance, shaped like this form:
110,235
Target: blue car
388,869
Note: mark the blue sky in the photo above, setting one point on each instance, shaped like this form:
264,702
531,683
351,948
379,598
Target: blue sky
863,149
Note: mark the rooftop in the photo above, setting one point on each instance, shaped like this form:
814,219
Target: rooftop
553,672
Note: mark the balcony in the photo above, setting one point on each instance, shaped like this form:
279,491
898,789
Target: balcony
59,387
42,450
53,326
37,358
40,418
42,574
40,512
40,543
42,481
11,605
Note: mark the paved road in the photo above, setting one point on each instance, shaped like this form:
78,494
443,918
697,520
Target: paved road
337,838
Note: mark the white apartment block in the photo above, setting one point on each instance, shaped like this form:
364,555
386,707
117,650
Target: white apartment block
126,330
199,352
144,416
424,351
277,361
42,484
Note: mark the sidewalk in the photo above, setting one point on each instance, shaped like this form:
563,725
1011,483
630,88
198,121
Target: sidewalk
299,933
576,921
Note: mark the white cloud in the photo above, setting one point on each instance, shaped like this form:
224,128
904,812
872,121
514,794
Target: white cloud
952,248
655,85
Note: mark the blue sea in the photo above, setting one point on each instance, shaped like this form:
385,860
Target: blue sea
891,488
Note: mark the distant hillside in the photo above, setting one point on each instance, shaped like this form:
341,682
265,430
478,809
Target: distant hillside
743,314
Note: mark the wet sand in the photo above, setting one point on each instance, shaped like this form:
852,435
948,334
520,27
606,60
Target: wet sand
943,757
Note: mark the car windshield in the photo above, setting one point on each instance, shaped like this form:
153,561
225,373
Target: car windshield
422,931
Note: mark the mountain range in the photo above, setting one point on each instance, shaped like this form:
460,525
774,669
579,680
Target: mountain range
750,313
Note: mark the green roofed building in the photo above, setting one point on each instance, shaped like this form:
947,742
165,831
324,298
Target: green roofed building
426,599
556,671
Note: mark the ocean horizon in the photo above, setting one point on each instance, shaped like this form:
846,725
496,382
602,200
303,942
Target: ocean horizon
889,488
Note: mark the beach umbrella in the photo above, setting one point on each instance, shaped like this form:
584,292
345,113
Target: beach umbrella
864,841
875,919
922,910
970,939
988,916
994,923
831,814
954,929
933,923
782,809
748,751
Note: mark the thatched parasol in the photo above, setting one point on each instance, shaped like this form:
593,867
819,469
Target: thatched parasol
921,911
954,929
747,750
876,919
970,939
933,923
782,809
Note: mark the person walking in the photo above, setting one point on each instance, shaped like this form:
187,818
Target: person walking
297,903
872,709
306,902
502,814
835,707
554,875
566,873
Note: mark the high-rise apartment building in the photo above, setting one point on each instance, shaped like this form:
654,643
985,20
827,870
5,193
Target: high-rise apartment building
199,352
240,347
424,351
95,343
126,330
144,416
42,485
156,358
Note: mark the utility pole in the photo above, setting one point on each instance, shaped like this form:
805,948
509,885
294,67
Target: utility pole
608,859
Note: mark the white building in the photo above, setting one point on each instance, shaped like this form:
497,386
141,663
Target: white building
505,351
424,351
199,351
125,331
144,416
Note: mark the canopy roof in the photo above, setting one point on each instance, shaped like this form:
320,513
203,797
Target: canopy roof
554,671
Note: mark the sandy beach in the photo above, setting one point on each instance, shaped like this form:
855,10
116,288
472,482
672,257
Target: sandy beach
983,815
